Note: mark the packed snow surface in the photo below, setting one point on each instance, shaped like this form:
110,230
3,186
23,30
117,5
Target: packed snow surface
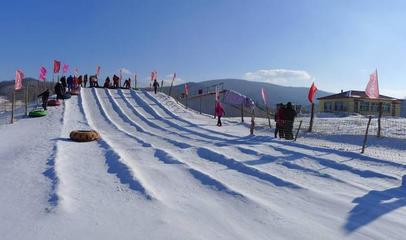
161,171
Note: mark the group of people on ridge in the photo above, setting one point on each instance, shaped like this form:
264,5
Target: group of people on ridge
284,118
116,83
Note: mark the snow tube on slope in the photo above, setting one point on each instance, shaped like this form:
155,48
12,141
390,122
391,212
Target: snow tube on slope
54,102
84,135
67,96
38,113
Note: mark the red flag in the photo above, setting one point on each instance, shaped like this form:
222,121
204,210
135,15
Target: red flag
97,70
19,79
186,89
312,92
42,73
57,66
372,90
65,68
264,96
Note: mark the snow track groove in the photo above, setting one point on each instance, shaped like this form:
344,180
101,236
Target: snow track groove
288,164
165,122
160,154
176,117
234,165
117,163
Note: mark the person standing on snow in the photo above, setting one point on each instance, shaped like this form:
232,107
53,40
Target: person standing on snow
59,90
84,80
155,85
279,120
45,96
116,80
289,115
70,83
219,110
106,83
63,82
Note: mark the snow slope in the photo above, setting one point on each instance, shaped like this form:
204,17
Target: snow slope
164,172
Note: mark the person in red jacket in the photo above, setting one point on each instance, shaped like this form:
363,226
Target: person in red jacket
280,119
219,110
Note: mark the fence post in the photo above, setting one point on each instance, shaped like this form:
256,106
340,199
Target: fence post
252,127
379,119
170,89
26,101
269,117
162,84
242,112
12,106
311,118
297,132
200,107
366,135
186,100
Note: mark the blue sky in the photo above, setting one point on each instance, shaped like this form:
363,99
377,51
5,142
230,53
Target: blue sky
335,43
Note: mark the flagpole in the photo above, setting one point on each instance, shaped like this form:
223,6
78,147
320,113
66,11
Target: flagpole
170,89
311,118
13,106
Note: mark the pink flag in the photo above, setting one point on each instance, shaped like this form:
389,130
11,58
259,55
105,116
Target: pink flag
19,79
312,92
65,68
57,66
98,70
372,90
264,96
42,73
186,89
152,76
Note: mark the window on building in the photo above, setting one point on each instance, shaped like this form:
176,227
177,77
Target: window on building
339,107
364,106
374,107
328,106
386,107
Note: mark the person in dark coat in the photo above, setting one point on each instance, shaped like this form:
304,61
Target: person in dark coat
69,81
84,80
94,81
59,90
80,81
290,115
155,85
106,83
116,79
127,83
44,95
63,82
